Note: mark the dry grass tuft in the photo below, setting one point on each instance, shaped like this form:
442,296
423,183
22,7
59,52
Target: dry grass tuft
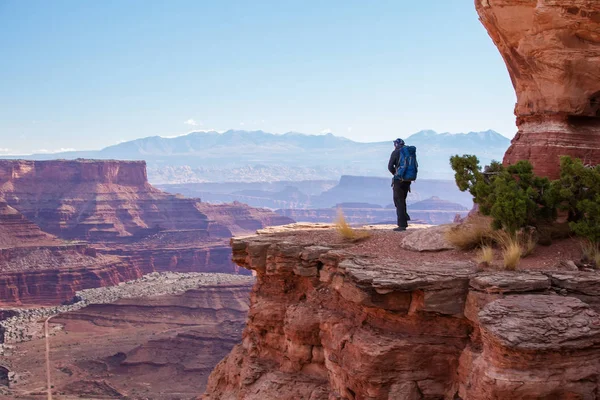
511,249
472,233
529,242
590,252
347,232
485,255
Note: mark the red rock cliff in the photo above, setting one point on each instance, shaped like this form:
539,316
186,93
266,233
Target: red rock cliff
134,228
552,51
104,201
331,321
42,173
38,268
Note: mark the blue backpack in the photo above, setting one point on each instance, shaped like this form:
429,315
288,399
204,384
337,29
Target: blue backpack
408,165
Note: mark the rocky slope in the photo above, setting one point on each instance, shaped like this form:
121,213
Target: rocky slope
551,49
17,231
331,320
158,337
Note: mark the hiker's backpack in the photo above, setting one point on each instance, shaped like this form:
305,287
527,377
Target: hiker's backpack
408,167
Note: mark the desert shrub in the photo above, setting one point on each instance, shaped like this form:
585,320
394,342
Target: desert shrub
578,193
516,199
513,196
346,231
472,233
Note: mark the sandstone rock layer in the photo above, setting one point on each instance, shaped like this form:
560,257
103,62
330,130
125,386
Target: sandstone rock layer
131,228
158,347
326,322
111,201
552,52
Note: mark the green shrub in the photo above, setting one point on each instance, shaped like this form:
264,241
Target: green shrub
514,197
578,193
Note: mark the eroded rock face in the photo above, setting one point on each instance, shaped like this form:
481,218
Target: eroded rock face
52,275
552,52
111,201
131,227
150,338
17,231
327,323
39,268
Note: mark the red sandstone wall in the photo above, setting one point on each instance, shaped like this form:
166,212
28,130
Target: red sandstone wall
551,49
129,173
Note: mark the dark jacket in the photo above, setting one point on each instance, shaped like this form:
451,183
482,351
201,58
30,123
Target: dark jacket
394,161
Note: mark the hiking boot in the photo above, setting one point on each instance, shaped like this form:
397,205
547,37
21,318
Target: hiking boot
399,229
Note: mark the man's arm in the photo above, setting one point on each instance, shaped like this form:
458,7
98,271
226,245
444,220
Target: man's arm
393,163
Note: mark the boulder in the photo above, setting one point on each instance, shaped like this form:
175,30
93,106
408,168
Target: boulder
430,239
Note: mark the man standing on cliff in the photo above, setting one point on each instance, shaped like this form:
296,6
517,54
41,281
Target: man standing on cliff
401,187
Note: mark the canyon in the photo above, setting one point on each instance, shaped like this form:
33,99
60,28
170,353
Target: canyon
155,337
72,225
551,49
129,278
330,319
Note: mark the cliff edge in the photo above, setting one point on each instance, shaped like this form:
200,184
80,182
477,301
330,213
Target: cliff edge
330,320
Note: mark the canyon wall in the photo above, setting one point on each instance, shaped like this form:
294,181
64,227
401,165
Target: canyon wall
552,51
51,275
330,320
94,200
18,231
111,201
145,339
38,268
131,228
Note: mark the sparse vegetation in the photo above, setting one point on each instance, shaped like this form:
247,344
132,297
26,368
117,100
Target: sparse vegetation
485,255
590,253
513,196
578,193
528,240
347,232
477,230
517,200
512,251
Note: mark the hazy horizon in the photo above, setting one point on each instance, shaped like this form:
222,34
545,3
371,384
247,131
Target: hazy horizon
88,75
390,139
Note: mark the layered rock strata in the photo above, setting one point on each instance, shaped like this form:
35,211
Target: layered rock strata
158,337
112,201
38,268
131,227
328,321
552,51
52,274
18,231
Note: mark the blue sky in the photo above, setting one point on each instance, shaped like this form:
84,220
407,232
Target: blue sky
88,74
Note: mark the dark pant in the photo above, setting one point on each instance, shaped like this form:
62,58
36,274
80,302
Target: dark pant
401,189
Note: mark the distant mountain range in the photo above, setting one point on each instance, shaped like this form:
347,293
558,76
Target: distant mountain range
254,156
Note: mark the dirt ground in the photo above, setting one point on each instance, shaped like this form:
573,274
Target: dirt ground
385,243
